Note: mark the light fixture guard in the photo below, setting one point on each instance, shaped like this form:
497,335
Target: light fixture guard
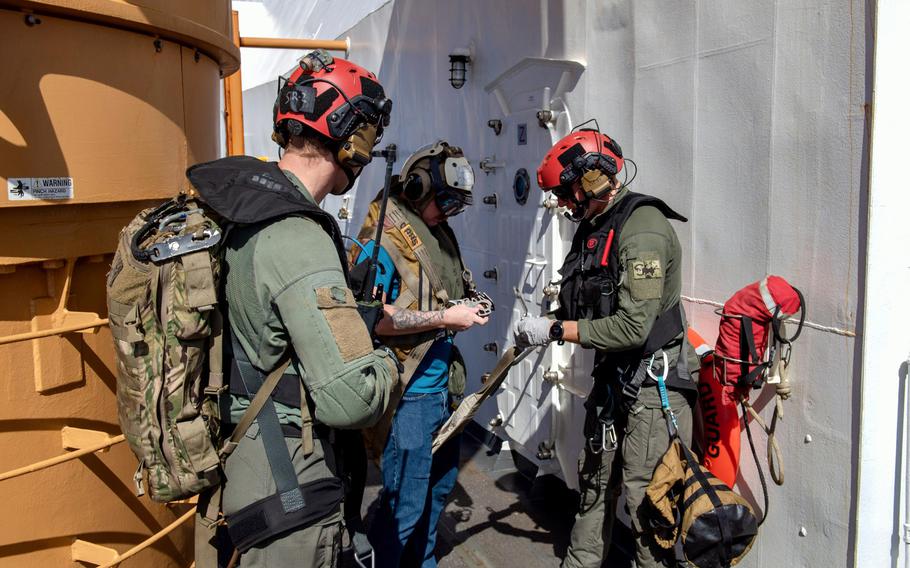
458,62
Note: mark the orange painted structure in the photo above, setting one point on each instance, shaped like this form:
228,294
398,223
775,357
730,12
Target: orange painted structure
119,98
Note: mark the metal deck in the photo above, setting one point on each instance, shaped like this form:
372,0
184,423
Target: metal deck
500,515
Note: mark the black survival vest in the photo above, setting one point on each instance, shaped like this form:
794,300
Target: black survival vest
243,190
591,279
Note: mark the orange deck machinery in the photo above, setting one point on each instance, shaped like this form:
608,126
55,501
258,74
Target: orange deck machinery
103,105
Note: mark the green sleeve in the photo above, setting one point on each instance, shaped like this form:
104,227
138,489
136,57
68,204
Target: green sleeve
347,379
645,249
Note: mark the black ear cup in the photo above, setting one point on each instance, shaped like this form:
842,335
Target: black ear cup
416,186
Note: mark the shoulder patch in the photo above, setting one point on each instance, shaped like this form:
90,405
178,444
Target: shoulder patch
646,268
647,276
340,311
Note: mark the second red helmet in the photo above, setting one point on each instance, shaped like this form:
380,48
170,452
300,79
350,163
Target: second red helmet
577,154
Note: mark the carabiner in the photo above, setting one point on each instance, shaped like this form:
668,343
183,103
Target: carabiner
672,426
608,433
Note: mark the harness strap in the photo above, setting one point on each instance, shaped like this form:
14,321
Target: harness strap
413,281
276,450
666,327
286,391
749,354
682,361
306,425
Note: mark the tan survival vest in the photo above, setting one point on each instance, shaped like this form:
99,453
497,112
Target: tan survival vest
421,289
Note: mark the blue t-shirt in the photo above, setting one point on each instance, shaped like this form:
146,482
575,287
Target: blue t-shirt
433,373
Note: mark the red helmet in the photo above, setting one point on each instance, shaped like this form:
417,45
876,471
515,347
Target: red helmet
583,152
332,96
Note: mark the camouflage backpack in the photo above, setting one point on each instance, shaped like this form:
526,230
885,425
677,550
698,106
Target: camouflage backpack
163,306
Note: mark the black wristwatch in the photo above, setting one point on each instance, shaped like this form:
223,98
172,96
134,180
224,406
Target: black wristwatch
556,332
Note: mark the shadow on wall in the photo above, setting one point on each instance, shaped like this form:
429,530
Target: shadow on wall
26,107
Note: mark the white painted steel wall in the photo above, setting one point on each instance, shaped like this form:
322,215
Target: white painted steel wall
882,531
747,117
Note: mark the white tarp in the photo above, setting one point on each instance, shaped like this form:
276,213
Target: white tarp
260,67
298,19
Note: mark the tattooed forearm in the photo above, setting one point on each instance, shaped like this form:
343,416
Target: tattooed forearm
414,320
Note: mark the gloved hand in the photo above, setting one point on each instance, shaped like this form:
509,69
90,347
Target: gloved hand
532,332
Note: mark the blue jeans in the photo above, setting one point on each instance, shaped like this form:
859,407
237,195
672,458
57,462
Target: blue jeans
415,483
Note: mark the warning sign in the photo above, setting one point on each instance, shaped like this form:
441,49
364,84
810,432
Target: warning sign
23,189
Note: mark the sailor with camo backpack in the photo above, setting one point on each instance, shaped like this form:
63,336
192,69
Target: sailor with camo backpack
291,328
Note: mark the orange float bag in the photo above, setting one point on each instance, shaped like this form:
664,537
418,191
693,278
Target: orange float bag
719,435
738,365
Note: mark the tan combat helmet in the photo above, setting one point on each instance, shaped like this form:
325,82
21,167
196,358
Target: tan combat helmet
438,171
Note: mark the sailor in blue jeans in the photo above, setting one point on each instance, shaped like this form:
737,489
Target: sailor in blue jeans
421,269
416,484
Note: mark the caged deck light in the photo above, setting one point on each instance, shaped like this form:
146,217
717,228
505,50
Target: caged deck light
458,61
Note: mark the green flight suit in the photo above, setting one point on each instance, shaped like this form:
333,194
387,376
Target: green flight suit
642,433
280,283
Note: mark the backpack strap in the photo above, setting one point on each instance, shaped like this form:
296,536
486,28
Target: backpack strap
215,386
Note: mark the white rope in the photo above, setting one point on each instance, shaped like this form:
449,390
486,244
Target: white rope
813,325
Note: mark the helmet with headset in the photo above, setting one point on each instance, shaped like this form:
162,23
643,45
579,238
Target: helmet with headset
341,103
438,172
588,156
